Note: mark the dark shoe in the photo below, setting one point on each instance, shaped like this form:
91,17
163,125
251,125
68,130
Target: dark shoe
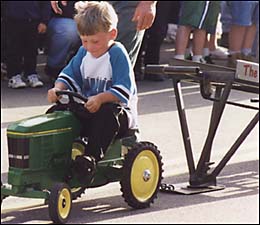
85,167
188,56
208,59
154,77
232,60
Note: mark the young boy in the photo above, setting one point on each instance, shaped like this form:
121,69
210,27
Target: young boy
101,70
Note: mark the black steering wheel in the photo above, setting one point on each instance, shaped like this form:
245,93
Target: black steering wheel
71,95
72,105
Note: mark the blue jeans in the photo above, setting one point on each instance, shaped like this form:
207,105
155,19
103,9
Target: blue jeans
63,39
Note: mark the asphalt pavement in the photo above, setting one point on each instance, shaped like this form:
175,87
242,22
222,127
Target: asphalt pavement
237,203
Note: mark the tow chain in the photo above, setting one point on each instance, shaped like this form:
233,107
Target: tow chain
166,187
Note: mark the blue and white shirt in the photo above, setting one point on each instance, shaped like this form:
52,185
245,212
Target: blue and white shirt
111,72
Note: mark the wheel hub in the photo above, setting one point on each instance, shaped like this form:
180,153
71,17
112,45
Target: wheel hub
146,175
63,203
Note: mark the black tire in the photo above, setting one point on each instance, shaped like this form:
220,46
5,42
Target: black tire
60,203
142,175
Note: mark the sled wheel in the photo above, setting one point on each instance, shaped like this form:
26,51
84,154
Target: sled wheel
60,203
142,175
78,148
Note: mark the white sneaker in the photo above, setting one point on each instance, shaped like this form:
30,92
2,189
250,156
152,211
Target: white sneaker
198,59
16,82
34,81
219,53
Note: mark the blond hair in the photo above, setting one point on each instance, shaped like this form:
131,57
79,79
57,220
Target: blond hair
93,17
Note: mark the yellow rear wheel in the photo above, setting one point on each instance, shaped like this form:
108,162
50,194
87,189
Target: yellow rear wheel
142,175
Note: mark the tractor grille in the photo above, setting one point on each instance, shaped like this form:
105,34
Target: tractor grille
18,152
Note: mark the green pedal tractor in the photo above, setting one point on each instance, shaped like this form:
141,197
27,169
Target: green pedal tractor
42,150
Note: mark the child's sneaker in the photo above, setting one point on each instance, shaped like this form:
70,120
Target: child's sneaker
16,82
34,81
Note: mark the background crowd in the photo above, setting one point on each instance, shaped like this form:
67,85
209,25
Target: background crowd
30,26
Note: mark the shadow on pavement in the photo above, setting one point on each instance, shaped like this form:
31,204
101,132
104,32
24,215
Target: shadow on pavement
241,179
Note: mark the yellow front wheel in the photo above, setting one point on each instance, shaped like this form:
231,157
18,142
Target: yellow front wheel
60,203
142,175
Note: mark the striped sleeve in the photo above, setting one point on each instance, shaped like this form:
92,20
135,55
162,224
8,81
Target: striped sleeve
71,75
122,74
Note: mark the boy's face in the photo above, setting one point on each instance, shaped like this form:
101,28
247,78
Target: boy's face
98,43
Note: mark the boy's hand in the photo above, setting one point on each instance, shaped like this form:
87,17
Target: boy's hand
93,104
52,97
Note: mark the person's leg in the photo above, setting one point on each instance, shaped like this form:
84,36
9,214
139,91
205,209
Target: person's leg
14,50
225,19
182,38
100,129
249,38
14,35
236,38
62,38
157,33
3,42
30,48
30,52
199,37
255,47
152,53
206,50
139,67
242,16
127,33
104,126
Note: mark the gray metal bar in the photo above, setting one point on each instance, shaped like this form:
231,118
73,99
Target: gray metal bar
218,109
184,126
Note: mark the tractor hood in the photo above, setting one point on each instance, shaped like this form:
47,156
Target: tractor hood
58,121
